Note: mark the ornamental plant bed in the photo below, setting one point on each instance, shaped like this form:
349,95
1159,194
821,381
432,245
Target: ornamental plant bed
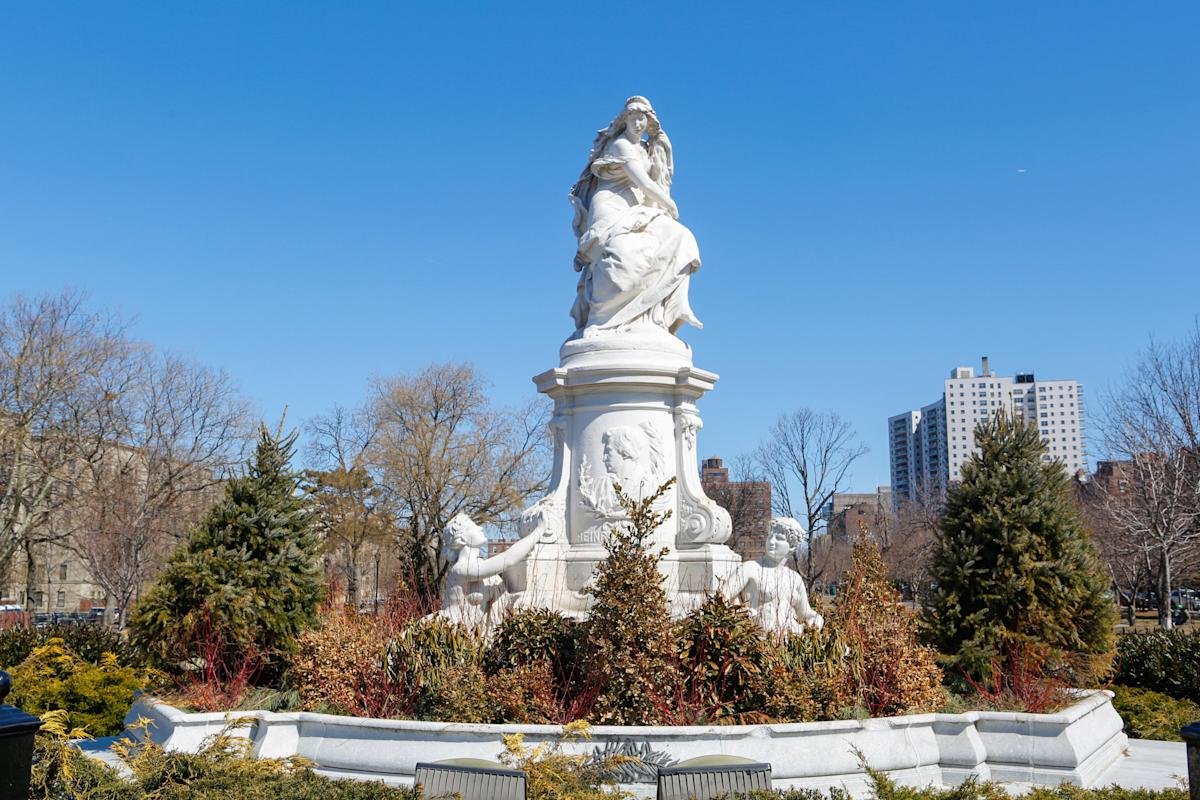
1075,745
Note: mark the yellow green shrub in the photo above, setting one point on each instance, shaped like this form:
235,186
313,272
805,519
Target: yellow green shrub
96,697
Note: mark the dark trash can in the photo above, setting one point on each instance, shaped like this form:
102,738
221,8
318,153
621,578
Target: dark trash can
16,745
1191,735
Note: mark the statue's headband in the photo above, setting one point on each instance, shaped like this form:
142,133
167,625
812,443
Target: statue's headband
638,103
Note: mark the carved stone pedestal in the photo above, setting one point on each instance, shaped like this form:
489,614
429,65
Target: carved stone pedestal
624,413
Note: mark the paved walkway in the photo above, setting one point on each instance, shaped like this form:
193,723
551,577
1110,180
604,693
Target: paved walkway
1149,765
101,750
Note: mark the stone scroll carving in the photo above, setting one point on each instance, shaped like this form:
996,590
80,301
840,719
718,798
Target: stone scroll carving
701,520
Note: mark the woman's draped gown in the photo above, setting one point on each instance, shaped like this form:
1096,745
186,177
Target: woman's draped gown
635,259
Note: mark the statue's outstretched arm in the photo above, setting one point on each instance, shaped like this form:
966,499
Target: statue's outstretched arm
487,567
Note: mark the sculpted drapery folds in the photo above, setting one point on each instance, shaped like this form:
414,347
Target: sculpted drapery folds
634,258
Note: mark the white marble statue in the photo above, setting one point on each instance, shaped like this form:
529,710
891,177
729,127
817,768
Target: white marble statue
773,591
625,392
634,257
475,594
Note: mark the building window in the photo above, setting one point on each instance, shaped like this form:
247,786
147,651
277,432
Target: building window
62,572
61,600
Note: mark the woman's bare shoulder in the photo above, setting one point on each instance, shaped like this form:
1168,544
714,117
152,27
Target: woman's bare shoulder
621,146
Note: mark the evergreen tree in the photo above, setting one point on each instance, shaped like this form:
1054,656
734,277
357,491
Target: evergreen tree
247,581
1017,578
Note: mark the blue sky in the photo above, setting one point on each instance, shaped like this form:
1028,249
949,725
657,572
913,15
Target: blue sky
308,195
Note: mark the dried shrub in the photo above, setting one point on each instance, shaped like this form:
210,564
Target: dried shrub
889,671
341,665
525,694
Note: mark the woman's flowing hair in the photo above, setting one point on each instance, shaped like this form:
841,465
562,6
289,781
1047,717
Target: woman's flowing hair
657,146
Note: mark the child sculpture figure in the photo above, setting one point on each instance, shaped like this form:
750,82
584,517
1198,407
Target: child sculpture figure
475,595
774,593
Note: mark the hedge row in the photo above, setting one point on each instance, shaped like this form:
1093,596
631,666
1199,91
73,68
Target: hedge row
1162,661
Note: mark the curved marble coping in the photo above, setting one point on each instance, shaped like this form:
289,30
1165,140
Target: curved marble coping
1076,744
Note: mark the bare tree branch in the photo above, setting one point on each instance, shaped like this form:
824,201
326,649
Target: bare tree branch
811,453
1152,427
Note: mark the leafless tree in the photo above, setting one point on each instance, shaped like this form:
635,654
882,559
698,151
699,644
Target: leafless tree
353,522
63,371
907,538
438,447
1123,555
807,457
1153,425
177,429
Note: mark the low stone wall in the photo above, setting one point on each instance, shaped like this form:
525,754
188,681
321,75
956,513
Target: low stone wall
1075,745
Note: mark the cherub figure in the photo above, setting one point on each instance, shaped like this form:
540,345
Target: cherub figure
474,590
774,593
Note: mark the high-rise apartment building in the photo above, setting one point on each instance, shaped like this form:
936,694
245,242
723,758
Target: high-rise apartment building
929,447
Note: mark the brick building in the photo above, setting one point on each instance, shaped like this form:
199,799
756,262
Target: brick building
748,504
846,510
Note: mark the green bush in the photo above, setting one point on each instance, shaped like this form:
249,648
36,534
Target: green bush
884,788
96,697
91,642
16,643
809,677
532,636
723,655
1153,715
437,666
629,646
1163,661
